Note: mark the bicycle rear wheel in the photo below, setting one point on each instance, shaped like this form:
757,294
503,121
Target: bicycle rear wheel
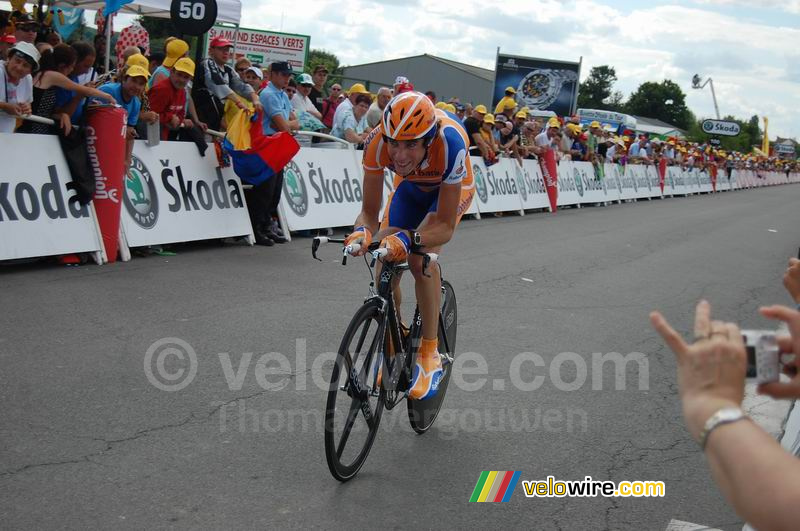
422,413
355,404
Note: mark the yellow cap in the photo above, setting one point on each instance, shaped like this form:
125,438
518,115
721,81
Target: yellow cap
511,90
185,65
594,124
440,105
480,108
137,71
449,107
176,49
521,114
488,119
508,103
358,88
553,122
138,59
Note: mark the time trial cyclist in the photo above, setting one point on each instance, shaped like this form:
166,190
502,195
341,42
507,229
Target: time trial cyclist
426,148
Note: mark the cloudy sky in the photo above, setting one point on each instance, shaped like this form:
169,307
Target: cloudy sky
749,48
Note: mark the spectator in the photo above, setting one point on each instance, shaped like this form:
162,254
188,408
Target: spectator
16,89
50,36
67,101
399,82
127,93
509,138
168,99
100,49
527,140
350,101
550,137
6,43
507,101
569,136
175,49
460,111
54,68
146,115
487,134
431,96
156,59
278,116
330,105
403,87
755,474
318,93
638,150
25,28
375,111
43,47
301,100
353,125
473,125
254,77
215,81
242,65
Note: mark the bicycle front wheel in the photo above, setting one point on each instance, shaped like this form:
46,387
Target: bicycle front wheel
355,404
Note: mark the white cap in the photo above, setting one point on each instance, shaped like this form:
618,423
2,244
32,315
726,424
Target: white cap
399,80
29,50
257,71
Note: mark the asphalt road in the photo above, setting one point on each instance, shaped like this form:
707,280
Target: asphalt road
88,442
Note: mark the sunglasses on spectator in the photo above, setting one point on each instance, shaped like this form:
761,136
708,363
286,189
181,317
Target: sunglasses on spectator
335,89
29,27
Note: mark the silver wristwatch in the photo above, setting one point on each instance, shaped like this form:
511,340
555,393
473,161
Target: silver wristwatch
720,418
541,87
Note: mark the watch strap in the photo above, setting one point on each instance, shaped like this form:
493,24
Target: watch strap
720,418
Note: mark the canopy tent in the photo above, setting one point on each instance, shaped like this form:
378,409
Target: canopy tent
229,11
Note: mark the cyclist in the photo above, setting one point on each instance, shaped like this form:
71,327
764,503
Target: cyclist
427,149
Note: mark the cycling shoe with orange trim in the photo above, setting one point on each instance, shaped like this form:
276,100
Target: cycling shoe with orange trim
426,377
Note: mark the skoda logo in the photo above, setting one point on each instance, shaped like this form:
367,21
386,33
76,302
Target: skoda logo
480,184
140,197
708,126
294,188
578,182
523,190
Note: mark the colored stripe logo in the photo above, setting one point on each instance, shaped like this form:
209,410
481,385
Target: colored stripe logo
494,486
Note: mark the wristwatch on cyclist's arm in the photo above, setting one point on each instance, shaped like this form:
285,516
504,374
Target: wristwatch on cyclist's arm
416,239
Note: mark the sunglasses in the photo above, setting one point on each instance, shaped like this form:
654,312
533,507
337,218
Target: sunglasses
335,89
29,27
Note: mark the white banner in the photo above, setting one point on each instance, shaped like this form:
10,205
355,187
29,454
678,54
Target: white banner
613,176
641,183
705,182
595,188
174,195
265,47
39,213
534,193
677,180
496,186
655,180
567,189
323,188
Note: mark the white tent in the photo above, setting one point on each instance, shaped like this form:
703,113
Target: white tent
229,11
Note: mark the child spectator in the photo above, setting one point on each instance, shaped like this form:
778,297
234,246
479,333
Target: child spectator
16,89
127,94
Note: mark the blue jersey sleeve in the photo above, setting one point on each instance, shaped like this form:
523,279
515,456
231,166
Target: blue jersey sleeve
456,151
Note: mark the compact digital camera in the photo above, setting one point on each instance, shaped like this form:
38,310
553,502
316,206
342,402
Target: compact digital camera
763,357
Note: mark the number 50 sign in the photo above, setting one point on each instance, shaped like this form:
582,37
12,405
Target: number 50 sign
193,17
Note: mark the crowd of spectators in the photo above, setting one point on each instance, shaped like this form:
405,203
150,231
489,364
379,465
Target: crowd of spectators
41,76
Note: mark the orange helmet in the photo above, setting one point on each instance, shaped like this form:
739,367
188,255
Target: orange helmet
409,116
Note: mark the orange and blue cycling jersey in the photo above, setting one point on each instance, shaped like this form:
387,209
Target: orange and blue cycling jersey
417,194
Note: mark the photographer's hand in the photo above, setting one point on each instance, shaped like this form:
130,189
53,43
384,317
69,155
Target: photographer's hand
711,371
791,279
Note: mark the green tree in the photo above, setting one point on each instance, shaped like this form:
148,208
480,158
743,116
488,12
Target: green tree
663,101
597,88
331,62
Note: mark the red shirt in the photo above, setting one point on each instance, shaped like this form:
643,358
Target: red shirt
167,101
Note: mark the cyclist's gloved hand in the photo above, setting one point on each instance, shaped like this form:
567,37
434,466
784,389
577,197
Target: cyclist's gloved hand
360,235
398,245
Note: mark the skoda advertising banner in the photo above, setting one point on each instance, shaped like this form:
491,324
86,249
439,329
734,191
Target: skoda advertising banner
496,187
322,188
570,191
540,84
39,211
530,183
593,185
173,195
613,176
